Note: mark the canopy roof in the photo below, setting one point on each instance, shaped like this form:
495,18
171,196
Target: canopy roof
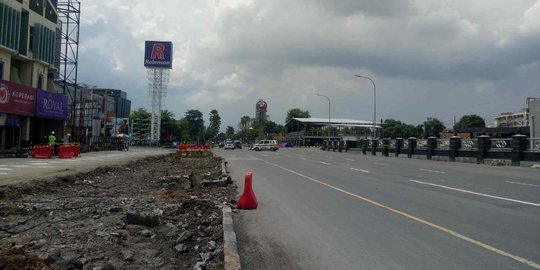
333,122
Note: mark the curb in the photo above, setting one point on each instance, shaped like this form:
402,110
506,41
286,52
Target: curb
230,250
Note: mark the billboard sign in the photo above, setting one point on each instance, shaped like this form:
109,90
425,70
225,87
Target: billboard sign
158,54
17,99
51,105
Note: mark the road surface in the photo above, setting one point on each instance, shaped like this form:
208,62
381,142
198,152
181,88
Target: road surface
17,170
330,210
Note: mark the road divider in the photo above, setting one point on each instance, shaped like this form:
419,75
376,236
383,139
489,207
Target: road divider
475,193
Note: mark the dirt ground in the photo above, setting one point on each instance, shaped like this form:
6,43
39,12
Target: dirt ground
142,215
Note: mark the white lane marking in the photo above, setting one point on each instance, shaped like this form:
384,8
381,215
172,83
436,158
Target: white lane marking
288,155
20,166
380,164
6,169
523,184
303,158
359,170
45,166
476,193
4,173
329,157
433,171
266,155
3,165
349,159
325,163
40,163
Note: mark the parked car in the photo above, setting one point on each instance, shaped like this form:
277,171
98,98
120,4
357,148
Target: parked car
221,144
228,145
287,144
237,144
271,145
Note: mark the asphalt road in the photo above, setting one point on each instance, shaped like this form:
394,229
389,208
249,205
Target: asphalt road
18,170
330,210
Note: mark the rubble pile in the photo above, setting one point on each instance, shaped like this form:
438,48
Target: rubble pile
149,214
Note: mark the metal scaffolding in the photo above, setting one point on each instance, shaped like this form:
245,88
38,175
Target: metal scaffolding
158,79
67,52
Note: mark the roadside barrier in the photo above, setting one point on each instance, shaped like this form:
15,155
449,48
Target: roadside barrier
76,150
193,151
65,151
42,151
247,200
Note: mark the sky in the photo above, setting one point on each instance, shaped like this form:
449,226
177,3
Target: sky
428,58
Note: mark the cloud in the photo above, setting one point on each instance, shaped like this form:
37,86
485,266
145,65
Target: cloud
425,56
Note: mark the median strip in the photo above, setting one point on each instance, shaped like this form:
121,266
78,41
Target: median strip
417,219
476,193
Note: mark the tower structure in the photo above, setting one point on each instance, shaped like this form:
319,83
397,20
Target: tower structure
158,62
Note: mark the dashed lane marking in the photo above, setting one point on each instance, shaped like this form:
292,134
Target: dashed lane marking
523,184
380,164
20,166
359,170
349,159
4,173
476,193
433,171
303,158
325,163
417,219
6,169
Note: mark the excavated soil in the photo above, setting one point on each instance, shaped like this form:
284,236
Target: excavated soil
81,221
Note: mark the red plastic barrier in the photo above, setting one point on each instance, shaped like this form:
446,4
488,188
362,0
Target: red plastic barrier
65,151
247,200
75,150
42,151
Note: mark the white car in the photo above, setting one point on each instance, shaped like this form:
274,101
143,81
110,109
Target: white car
228,145
271,145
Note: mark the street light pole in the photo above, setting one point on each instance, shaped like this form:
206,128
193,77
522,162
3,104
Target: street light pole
374,101
329,119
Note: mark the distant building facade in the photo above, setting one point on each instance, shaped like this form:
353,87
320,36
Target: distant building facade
513,119
30,108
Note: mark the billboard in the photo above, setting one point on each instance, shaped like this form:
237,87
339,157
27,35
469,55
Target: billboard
51,105
158,54
17,99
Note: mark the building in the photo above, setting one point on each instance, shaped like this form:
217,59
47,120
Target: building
513,119
117,110
313,131
30,108
533,105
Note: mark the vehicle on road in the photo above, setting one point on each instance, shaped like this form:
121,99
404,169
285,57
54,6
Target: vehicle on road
237,144
271,145
287,144
221,144
228,145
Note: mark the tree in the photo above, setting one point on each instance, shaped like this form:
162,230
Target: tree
432,127
195,124
470,121
245,122
169,126
396,129
221,137
215,123
140,119
296,113
229,132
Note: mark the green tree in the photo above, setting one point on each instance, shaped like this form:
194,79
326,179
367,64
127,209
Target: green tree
221,137
470,121
215,123
229,132
245,122
195,124
296,113
432,127
169,126
140,119
396,129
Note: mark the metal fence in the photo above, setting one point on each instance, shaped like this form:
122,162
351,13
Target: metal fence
533,145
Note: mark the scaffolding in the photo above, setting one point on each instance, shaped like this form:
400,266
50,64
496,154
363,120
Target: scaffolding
158,79
67,53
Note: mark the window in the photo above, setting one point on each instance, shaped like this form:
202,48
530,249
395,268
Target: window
40,81
31,40
1,70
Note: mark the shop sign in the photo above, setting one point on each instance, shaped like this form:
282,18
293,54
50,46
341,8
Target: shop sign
51,105
17,99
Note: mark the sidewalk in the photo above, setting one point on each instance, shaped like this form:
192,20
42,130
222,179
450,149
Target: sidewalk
18,170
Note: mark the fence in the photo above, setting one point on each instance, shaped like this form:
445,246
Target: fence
94,143
518,148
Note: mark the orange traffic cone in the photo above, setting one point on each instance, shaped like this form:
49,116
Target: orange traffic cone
247,200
